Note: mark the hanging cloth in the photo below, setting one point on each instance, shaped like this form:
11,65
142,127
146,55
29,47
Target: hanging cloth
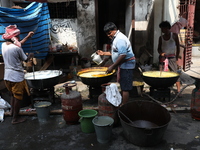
113,95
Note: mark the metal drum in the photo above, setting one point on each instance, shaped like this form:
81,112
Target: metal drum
71,102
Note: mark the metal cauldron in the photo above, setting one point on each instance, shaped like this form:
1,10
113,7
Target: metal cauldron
144,123
95,81
159,79
43,79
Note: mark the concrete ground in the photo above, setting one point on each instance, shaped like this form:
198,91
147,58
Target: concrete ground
182,133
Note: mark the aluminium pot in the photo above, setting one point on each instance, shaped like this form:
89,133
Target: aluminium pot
144,122
95,81
166,79
43,79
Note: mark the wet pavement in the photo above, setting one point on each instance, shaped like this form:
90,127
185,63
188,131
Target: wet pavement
182,133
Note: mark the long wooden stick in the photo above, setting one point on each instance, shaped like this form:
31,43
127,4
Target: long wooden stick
52,112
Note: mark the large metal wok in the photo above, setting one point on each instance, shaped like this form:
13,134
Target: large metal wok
43,79
157,79
95,81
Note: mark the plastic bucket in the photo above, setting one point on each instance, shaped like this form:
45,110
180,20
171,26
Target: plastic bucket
103,128
86,117
42,110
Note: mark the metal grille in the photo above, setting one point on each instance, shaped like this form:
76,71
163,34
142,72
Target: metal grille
66,10
187,7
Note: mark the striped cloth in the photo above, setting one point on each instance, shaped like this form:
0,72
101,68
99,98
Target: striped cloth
35,17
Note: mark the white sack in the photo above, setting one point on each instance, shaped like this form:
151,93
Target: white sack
1,115
113,95
4,104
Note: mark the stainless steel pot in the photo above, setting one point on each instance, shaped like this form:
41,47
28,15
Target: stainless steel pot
43,79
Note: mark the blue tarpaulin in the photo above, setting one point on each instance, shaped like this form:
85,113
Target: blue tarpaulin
35,17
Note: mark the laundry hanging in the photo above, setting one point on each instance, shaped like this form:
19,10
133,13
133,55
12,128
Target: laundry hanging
35,17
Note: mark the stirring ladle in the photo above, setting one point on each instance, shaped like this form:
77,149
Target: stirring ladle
126,117
33,68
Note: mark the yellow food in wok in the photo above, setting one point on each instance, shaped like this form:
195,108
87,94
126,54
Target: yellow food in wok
138,83
159,74
94,74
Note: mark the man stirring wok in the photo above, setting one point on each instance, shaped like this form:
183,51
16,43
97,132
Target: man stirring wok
13,55
122,57
169,49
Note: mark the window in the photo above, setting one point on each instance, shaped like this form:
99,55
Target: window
22,4
63,10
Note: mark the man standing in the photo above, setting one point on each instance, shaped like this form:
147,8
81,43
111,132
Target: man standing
13,56
122,57
169,48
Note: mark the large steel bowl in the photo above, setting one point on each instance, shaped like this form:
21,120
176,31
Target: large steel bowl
95,81
161,79
144,123
43,79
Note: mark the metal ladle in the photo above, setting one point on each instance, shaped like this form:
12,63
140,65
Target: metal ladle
33,67
126,117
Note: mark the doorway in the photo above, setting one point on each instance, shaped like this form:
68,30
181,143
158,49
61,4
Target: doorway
109,11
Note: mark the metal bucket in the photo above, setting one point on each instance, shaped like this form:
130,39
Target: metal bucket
103,128
43,110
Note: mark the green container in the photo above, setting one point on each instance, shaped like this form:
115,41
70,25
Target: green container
86,117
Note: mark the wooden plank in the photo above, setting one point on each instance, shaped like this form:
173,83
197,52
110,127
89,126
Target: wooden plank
47,63
59,111
52,112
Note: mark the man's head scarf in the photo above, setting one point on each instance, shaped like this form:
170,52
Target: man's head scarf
10,34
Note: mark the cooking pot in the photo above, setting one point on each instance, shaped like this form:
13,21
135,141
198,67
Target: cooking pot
144,123
43,79
100,77
158,79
